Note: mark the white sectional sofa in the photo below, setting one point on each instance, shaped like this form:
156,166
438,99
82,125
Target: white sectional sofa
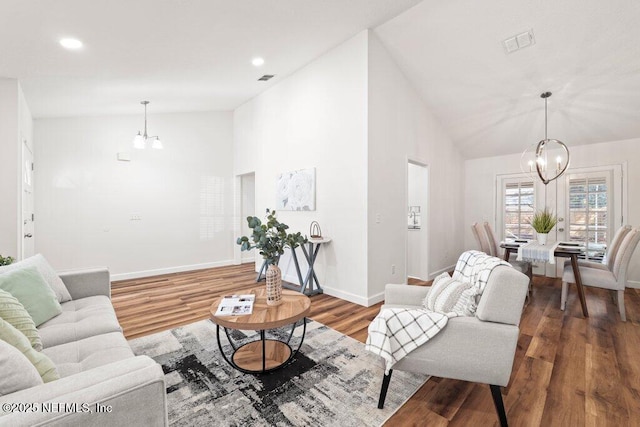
102,382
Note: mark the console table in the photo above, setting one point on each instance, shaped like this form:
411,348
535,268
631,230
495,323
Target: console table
310,253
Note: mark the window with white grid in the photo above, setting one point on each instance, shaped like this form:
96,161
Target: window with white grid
518,207
590,212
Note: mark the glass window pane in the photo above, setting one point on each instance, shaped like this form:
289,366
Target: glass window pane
577,189
577,235
577,217
519,199
597,187
588,213
512,218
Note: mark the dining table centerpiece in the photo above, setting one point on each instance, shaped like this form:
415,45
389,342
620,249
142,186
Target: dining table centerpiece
271,238
543,222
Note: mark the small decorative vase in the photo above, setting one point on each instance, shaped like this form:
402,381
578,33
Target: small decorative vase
542,238
274,285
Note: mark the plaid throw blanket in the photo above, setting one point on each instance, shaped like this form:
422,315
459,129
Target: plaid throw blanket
476,267
395,332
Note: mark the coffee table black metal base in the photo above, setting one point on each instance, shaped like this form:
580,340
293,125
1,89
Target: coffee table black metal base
255,353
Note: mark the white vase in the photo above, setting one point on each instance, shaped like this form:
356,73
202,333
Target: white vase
542,238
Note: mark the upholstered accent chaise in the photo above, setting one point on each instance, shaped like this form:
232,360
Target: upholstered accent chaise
479,348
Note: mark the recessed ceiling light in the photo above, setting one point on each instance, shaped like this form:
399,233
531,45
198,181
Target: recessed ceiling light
71,43
257,61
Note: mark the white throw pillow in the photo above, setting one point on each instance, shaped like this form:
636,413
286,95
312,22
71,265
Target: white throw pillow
435,288
17,372
446,294
468,302
49,274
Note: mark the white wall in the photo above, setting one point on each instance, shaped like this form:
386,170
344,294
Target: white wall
480,182
9,164
183,194
15,125
401,128
316,118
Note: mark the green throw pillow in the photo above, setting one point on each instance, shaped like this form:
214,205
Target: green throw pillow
49,274
43,364
30,288
13,312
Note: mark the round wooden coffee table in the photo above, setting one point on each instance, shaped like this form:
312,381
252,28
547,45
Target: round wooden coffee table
266,354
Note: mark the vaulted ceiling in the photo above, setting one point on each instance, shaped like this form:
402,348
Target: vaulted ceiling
586,52
190,55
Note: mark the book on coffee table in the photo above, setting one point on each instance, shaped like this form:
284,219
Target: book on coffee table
236,305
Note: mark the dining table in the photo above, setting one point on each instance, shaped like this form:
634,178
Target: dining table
569,251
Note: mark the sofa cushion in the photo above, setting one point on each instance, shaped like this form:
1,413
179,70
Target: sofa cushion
49,274
81,318
42,363
17,372
33,292
79,356
13,312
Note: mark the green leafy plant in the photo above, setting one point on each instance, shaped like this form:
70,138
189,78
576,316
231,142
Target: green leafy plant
543,221
270,238
5,260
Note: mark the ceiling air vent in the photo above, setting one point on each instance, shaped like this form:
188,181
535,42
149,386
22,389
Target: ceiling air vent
519,41
266,77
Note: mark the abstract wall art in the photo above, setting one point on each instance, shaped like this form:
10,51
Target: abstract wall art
296,191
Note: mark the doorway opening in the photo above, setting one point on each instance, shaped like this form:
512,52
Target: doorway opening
247,208
417,230
28,217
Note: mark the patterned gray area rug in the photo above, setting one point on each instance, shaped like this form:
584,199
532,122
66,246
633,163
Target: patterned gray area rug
332,381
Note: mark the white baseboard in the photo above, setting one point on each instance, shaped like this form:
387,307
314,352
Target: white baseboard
356,299
633,284
375,299
347,296
169,270
442,270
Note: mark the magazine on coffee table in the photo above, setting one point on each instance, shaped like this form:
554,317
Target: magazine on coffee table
235,305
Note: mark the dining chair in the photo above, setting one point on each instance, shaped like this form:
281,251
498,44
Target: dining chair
481,238
614,279
612,251
524,267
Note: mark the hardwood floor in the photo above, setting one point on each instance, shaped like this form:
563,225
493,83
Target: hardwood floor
568,371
